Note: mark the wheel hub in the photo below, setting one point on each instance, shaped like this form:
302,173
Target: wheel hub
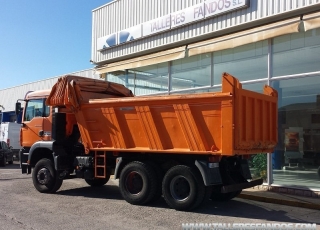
43,176
180,188
134,183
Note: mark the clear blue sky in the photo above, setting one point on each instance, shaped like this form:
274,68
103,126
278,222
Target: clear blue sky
42,39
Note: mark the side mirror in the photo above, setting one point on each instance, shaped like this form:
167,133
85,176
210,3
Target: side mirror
18,108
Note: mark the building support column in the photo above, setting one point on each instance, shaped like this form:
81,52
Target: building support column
269,155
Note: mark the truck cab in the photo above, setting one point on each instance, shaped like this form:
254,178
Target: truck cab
36,123
36,134
36,120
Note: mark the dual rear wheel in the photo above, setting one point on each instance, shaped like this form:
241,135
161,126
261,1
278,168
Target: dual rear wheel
182,186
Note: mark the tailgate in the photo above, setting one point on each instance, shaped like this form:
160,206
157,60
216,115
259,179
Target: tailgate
255,119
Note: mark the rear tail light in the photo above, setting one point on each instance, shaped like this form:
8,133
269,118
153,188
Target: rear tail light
8,142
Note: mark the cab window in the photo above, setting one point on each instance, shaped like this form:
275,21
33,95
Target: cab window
36,108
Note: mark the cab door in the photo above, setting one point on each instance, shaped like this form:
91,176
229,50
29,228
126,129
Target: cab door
36,125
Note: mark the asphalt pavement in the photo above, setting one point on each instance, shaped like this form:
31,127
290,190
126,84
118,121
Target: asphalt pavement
79,206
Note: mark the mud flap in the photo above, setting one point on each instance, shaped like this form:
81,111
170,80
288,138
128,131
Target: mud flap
118,164
237,187
210,172
245,171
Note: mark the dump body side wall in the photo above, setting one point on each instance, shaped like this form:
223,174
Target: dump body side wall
234,121
179,124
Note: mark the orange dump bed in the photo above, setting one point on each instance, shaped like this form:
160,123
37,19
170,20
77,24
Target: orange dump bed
234,121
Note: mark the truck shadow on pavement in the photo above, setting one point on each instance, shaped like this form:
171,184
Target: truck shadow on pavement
15,165
235,208
104,192
241,209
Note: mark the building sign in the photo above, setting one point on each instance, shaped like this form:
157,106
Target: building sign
215,7
200,11
156,25
130,34
107,41
187,15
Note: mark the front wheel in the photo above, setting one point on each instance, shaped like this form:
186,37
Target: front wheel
45,178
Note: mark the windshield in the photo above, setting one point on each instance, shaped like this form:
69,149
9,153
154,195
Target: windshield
36,108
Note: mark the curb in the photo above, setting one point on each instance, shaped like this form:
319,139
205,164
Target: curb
279,201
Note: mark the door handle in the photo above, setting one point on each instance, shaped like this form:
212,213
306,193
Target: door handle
41,133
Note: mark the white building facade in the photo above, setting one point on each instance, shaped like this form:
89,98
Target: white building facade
184,46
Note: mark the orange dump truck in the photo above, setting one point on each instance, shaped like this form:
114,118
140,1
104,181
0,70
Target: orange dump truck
188,148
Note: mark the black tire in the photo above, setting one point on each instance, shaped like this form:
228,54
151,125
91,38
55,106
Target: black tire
138,183
159,174
97,182
45,178
3,162
11,162
183,188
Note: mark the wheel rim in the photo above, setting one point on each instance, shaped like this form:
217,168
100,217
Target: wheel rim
134,183
180,188
43,176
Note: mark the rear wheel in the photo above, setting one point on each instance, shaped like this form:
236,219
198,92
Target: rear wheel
138,183
183,188
45,178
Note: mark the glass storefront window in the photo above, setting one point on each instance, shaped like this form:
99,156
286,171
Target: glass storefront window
245,62
191,91
149,79
191,72
256,86
296,53
296,160
117,77
143,80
